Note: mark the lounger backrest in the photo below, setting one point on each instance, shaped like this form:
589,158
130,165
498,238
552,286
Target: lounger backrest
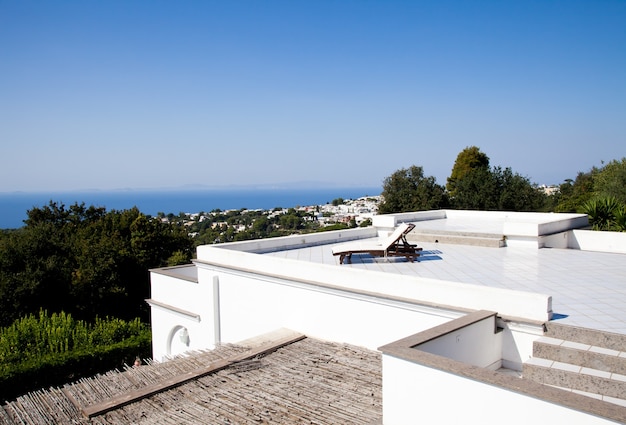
397,234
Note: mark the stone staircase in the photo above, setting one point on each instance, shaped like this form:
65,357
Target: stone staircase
458,238
584,361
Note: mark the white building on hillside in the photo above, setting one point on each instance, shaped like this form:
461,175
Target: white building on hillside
505,317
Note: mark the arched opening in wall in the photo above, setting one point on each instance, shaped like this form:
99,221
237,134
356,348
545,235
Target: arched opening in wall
178,340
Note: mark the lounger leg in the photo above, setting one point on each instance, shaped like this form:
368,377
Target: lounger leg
343,257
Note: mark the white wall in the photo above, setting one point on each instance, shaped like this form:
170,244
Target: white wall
298,241
191,308
517,343
250,306
588,240
392,220
477,344
413,393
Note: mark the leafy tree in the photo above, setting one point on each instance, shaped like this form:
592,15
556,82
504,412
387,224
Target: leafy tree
468,160
497,189
409,190
610,181
85,261
477,190
517,193
291,220
178,258
573,194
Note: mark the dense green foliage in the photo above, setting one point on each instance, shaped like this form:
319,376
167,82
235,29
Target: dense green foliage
600,193
572,194
473,184
409,190
497,189
45,349
85,261
606,213
468,160
610,181
36,337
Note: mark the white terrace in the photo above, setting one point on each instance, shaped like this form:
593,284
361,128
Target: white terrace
541,272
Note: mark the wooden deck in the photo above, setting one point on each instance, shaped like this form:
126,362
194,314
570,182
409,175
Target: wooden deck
288,382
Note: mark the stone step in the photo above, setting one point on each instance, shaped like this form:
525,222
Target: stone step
579,354
457,238
591,337
586,361
607,386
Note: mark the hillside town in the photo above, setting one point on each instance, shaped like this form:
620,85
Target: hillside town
220,226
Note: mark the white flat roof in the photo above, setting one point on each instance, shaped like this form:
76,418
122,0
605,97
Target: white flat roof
588,289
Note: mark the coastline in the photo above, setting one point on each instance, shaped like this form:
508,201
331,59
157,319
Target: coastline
14,206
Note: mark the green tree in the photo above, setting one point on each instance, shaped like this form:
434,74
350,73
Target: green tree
497,189
477,190
291,220
610,181
516,192
409,190
468,160
85,261
574,194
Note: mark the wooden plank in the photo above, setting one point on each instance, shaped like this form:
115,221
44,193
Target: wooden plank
70,397
136,395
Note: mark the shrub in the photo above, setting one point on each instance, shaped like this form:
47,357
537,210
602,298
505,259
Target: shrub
606,213
44,350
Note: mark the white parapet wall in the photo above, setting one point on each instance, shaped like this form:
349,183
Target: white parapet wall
525,229
299,241
588,240
392,220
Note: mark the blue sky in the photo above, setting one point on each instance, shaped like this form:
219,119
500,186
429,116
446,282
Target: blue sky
146,94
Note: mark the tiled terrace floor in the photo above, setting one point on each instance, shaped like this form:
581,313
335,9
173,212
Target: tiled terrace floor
588,289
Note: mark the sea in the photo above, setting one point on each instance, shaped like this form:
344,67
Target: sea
14,205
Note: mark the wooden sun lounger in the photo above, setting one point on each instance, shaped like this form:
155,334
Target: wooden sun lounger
395,245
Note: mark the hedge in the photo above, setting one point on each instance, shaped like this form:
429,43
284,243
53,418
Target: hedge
26,364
